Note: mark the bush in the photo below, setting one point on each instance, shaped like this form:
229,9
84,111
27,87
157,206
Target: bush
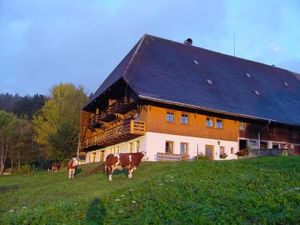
223,155
201,156
242,152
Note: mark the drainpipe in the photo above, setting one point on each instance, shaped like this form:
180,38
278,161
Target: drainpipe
258,135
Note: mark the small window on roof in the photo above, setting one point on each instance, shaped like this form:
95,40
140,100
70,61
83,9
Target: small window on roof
286,84
209,81
257,92
196,62
248,75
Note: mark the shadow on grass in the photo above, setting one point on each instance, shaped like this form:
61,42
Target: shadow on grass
96,213
78,171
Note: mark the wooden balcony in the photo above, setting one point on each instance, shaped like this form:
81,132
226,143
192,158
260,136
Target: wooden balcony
111,112
127,130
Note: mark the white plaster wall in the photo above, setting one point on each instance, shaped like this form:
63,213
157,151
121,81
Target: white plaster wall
155,142
123,148
152,143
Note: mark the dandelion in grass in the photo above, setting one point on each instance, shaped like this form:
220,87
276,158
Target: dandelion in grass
24,207
172,180
122,196
12,210
117,200
133,202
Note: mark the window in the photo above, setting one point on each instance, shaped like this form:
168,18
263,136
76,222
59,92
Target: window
137,146
219,123
222,150
209,151
232,150
130,147
209,122
243,126
169,146
276,145
94,157
170,117
183,148
184,119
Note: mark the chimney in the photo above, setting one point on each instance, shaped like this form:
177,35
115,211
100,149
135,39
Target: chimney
188,42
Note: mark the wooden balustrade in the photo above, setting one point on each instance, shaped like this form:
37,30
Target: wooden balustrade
127,130
117,108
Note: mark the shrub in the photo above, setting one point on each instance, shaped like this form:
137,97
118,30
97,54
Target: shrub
223,155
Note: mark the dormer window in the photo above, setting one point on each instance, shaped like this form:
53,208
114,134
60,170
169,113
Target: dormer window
196,62
209,81
257,93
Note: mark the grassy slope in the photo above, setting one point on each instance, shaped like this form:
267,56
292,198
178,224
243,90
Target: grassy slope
262,191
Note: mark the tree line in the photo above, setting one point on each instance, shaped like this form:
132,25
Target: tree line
38,129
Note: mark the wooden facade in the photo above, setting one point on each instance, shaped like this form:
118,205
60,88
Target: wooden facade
126,119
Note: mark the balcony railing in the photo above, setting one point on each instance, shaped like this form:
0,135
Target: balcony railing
127,130
162,156
119,107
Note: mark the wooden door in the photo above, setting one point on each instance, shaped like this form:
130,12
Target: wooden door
209,151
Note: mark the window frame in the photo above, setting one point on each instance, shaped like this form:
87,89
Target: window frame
222,123
187,148
167,117
187,118
172,147
212,122
243,126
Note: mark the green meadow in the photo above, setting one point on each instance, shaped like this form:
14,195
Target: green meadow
250,191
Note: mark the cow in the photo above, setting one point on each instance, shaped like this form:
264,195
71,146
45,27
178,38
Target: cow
122,161
54,167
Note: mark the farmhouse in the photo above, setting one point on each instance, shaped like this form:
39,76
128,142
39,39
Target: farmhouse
176,101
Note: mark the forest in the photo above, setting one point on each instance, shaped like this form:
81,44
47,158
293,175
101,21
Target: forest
37,130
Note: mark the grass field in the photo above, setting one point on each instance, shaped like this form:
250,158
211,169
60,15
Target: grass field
252,191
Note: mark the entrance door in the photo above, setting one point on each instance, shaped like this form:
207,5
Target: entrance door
242,145
209,151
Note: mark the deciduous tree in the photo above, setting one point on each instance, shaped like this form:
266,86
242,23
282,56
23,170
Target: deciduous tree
8,125
58,120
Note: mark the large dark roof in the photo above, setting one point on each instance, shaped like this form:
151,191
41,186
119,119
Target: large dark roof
170,72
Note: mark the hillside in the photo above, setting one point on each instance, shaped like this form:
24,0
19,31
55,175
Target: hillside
261,191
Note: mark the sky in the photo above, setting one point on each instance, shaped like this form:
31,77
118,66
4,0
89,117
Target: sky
47,42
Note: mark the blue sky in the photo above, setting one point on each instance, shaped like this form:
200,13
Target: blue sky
43,43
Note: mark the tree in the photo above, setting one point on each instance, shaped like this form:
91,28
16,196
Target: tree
8,125
58,121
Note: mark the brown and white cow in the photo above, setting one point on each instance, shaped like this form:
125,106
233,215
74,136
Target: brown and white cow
122,161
